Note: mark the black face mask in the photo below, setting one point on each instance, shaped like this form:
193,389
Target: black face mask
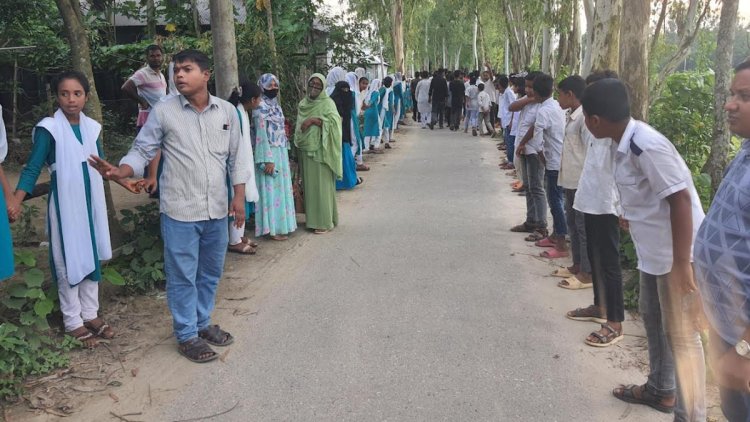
271,93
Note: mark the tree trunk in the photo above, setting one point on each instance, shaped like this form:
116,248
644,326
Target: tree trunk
588,10
225,49
80,56
196,18
574,41
659,25
634,54
474,42
605,46
719,156
546,40
398,34
151,19
271,37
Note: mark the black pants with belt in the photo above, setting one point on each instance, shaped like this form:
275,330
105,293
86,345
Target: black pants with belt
603,244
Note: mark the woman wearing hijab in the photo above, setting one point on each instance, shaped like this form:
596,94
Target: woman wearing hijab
318,136
357,140
335,75
386,110
274,211
346,106
372,116
398,102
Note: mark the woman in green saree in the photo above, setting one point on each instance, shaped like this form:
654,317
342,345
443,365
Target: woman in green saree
318,137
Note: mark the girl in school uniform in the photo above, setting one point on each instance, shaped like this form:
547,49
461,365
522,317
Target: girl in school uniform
6,243
77,223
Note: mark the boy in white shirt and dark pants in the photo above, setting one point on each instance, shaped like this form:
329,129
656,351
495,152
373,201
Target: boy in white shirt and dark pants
662,207
485,106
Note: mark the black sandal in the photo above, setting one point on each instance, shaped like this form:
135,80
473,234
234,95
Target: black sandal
215,336
196,347
627,394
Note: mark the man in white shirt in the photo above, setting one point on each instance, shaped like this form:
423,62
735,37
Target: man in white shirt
485,107
489,88
663,210
549,130
422,94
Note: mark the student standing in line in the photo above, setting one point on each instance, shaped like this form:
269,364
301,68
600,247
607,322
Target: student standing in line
6,242
372,117
245,100
661,205
505,117
318,137
77,223
201,143
357,87
345,105
386,111
547,140
485,109
722,262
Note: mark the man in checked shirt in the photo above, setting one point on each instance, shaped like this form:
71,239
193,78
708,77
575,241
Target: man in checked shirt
199,136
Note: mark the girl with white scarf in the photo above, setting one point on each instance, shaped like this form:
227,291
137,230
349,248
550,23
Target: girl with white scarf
335,75
372,116
77,213
6,243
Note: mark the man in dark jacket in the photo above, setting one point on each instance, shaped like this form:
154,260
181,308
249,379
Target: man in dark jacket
458,91
413,85
438,94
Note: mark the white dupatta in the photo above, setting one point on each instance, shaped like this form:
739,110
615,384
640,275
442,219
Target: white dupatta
71,159
251,189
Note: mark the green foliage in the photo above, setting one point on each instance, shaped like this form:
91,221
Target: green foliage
24,230
140,267
37,23
26,346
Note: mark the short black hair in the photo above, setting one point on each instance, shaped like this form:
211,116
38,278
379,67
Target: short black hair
457,74
480,87
387,81
195,56
532,75
543,85
153,47
574,84
472,79
503,81
425,74
71,74
742,66
249,90
598,75
366,79
607,98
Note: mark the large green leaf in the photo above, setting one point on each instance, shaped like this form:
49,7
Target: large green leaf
33,277
114,277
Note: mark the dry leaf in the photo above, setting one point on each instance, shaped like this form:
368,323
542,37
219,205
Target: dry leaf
223,356
134,372
114,397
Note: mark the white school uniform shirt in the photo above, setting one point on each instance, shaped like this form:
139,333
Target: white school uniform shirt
515,121
483,99
472,93
648,169
503,112
489,88
597,192
549,131
526,120
574,149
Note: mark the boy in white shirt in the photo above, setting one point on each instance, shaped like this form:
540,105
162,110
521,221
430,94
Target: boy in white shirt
485,106
663,210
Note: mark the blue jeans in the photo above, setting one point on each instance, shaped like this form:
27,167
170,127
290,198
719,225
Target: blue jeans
675,351
555,201
734,404
510,144
194,255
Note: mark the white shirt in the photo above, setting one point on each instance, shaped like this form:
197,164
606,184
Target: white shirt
422,92
597,192
549,131
471,92
483,98
503,112
514,120
648,169
489,88
526,120
574,150
151,84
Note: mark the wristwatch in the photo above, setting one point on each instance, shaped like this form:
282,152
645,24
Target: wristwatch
743,349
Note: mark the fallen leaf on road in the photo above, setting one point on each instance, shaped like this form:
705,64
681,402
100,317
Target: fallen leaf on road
223,356
134,372
114,397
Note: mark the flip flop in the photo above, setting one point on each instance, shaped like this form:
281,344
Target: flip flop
545,243
573,283
553,254
562,273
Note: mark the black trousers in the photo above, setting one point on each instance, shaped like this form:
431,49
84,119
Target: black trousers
438,108
603,244
493,114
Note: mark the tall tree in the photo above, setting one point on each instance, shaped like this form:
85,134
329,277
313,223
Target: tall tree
224,47
634,54
604,52
718,158
397,17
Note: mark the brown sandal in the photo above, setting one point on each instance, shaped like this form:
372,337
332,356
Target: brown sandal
590,313
605,340
100,328
85,336
242,248
249,241
641,394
